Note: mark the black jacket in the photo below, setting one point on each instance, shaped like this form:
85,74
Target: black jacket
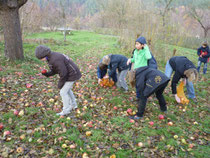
206,55
149,80
179,64
117,62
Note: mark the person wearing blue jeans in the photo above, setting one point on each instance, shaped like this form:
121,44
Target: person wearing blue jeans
204,54
183,68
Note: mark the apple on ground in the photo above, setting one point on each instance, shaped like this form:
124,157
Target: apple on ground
44,71
1,126
151,123
16,112
161,117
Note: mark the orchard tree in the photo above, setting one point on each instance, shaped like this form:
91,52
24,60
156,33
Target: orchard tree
9,14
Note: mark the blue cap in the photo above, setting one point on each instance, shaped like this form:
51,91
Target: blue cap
141,40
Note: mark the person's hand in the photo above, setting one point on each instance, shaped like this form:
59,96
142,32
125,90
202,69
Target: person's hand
106,77
99,80
177,98
129,61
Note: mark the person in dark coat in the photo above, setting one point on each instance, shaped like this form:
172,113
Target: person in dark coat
114,63
149,81
102,71
67,70
204,54
183,68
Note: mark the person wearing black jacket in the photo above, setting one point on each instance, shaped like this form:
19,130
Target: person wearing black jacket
116,62
67,70
149,81
183,68
204,54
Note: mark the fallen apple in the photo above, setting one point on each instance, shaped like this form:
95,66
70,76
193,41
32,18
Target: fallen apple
88,133
20,150
115,108
191,146
131,121
151,123
161,117
21,113
16,112
129,110
6,133
170,123
1,126
44,71
176,136
140,144
64,146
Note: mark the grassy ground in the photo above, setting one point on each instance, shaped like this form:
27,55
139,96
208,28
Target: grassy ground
95,129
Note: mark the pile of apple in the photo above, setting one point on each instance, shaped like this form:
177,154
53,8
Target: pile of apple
106,82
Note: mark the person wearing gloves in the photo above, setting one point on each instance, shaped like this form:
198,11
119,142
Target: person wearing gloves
114,63
183,68
204,54
149,81
68,72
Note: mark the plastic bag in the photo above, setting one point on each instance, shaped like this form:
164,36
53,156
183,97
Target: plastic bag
180,93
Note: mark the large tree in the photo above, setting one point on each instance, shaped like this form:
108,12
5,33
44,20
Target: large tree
9,14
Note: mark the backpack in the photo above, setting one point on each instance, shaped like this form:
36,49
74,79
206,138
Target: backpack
152,63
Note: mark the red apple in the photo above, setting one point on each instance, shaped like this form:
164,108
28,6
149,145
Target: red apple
170,123
16,112
7,133
131,121
1,69
115,107
191,146
28,85
44,71
161,117
1,126
129,110
151,123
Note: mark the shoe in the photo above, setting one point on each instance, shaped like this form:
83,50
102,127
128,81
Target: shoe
75,107
62,113
135,117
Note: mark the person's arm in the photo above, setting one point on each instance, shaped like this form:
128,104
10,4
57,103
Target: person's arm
174,83
63,73
199,51
147,53
50,73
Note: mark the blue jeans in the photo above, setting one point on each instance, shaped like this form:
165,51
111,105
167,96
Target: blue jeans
189,85
204,67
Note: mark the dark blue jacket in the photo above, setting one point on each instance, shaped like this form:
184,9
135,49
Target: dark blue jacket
102,73
205,57
179,64
117,62
149,80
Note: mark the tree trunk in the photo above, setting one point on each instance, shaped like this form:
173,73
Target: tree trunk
12,34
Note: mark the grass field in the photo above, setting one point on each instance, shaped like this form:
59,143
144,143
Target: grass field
95,129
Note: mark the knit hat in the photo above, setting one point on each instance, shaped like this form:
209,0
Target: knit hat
191,74
42,51
106,60
141,40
